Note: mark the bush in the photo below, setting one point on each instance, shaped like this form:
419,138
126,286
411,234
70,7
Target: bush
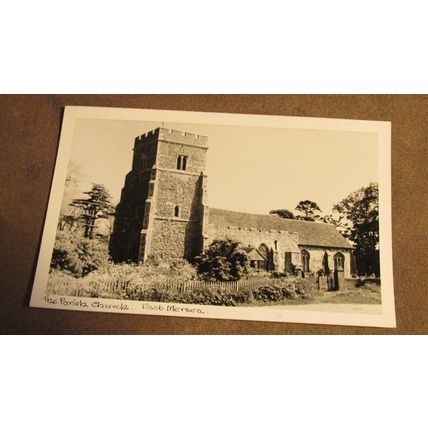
145,274
223,261
364,281
200,296
268,293
305,288
274,293
78,255
285,288
278,275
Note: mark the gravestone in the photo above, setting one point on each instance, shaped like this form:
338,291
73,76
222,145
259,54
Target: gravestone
339,279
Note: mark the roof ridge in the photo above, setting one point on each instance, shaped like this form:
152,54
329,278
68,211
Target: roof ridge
309,233
276,216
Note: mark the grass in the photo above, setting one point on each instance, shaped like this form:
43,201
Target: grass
364,295
367,294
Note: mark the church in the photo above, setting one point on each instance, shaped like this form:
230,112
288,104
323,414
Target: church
163,215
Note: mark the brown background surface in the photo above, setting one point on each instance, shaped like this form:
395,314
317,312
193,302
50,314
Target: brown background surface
29,135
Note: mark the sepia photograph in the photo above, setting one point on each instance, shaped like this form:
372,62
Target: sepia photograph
219,216
213,214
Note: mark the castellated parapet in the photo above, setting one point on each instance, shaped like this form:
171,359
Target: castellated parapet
174,136
161,211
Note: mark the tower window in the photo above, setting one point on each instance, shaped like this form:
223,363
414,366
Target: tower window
177,211
182,162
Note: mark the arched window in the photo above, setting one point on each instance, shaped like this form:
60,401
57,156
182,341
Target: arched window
264,252
305,260
182,162
339,261
177,211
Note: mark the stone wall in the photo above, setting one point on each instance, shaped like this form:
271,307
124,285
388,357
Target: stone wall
279,241
145,147
285,243
124,242
174,136
317,256
168,153
146,224
182,190
175,239
130,212
167,235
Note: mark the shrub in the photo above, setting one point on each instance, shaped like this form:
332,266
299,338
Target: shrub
78,255
199,296
305,288
285,288
275,293
361,282
268,293
223,261
182,269
278,275
145,274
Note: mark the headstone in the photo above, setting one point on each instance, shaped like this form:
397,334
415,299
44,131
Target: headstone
339,282
322,283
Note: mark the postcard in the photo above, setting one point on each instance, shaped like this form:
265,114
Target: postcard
212,215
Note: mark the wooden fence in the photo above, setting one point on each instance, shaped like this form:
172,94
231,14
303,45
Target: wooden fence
83,286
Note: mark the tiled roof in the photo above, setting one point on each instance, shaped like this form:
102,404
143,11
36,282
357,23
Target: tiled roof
310,233
253,254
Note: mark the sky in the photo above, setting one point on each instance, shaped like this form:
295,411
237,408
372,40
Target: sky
249,169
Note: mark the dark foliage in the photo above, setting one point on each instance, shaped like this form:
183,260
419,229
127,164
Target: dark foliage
200,296
96,206
309,211
78,255
223,261
283,213
361,208
275,292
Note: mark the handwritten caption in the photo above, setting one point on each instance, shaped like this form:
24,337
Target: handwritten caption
171,308
120,306
79,303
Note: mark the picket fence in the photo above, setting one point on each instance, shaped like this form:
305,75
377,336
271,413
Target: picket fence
80,286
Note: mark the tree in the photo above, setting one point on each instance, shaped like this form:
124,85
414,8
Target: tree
309,211
283,213
223,261
69,215
361,208
339,222
96,206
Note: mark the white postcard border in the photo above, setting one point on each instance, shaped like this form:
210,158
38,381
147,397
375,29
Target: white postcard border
71,114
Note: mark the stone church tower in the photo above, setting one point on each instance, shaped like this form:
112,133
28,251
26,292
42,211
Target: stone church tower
162,209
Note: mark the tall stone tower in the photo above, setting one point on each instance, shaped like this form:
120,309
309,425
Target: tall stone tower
162,210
